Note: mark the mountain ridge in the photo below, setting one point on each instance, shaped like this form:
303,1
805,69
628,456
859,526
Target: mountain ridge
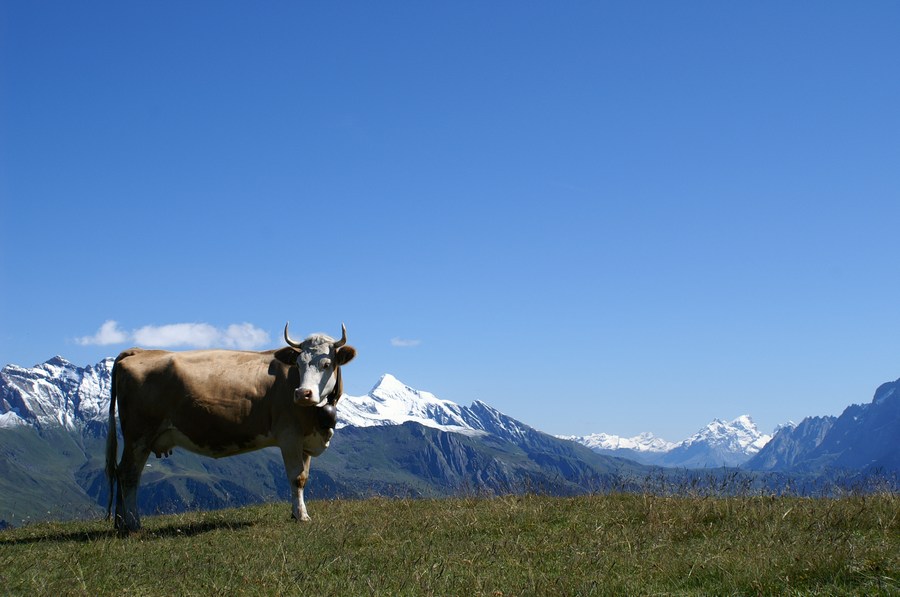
719,443
54,392
395,441
863,438
403,442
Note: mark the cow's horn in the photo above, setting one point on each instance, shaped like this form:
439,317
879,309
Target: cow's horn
343,339
287,338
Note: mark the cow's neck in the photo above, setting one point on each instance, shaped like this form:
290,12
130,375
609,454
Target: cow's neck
338,390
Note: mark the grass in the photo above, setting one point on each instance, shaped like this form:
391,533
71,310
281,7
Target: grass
518,545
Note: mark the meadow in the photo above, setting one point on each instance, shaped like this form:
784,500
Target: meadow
612,544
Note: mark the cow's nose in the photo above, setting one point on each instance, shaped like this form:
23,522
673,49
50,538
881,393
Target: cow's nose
305,396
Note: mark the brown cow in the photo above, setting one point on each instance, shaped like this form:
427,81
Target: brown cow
220,403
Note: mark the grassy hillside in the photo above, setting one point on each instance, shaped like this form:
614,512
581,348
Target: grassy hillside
38,472
527,545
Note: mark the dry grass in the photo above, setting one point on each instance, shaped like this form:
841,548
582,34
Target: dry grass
526,545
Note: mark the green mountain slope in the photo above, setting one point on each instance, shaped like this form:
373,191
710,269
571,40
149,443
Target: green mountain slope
58,474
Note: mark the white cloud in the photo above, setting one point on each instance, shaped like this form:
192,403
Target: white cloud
242,336
198,335
109,333
245,336
404,342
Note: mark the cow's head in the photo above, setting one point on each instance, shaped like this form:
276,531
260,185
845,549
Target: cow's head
319,360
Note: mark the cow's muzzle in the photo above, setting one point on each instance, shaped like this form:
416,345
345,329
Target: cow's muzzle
304,397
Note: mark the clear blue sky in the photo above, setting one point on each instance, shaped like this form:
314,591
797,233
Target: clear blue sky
595,216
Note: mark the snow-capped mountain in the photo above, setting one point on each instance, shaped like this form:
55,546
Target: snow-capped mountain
644,442
720,443
391,402
644,447
58,393
54,393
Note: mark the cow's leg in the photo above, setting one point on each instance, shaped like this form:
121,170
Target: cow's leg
134,457
296,465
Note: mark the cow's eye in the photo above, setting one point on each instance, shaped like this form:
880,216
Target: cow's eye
324,364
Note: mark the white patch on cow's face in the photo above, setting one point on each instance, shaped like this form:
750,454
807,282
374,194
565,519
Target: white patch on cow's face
315,363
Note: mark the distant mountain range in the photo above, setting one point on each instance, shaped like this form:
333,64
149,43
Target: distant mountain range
395,441
718,444
866,438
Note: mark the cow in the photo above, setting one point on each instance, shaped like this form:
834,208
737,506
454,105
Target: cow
221,403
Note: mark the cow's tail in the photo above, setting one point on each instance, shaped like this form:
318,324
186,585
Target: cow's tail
111,441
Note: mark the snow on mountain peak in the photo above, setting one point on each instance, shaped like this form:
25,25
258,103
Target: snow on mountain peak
744,421
54,393
644,442
391,402
389,383
719,442
739,435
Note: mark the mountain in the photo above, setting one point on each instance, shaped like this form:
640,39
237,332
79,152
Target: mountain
55,393
399,441
790,444
391,402
718,444
646,447
51,437
863,438
393,441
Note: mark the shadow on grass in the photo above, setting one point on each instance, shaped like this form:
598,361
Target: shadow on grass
171,530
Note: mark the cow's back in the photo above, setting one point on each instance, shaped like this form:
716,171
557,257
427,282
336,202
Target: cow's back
213,397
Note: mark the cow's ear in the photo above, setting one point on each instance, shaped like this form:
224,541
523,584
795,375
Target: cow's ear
344,355
286,355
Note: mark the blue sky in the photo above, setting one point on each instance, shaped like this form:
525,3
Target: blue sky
595,216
